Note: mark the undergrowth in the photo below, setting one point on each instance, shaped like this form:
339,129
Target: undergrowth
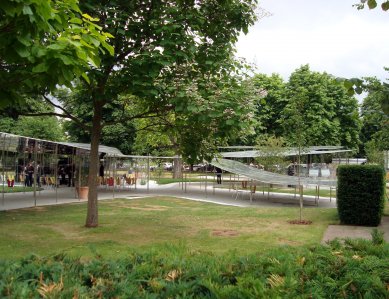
341,269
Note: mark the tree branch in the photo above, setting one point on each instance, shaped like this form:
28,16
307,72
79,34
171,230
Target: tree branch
66,115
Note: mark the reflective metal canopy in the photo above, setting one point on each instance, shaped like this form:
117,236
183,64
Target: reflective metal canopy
266,176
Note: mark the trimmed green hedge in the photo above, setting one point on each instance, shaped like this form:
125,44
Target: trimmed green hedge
355,269
361,194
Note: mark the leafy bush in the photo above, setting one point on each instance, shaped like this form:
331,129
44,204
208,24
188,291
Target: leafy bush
350,269
361,194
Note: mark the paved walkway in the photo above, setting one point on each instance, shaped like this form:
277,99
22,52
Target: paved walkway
351,231
193,191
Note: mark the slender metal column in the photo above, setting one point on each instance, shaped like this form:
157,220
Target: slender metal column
213,183
56,172
148,173
114,177
24,169
81,160
35,163
206,184
186,179
2,165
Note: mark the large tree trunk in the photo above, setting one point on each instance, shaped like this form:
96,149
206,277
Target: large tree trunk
177,168
92,213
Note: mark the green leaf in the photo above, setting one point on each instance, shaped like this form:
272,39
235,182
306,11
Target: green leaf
372,4
358,90
75,21
22,51
86,78
66,60
88,17
27,10
385,5
40,68
57,46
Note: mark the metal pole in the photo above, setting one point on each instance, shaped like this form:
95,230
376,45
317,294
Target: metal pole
79,175
251,190
56,172
35,162
114,177
24,169
2,165
148,173
214,178
330,193
186,179
206,184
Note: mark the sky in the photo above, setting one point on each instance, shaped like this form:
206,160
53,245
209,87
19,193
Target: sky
330,35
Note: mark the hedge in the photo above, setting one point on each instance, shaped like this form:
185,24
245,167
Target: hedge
361,194
354,269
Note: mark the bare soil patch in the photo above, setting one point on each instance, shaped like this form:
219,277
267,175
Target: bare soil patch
303,222
224,233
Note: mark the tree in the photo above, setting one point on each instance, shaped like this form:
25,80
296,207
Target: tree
42,127
116,132
296,123
45,43
375,129
372,4
269,109
330,114
208,112
272,153
151,39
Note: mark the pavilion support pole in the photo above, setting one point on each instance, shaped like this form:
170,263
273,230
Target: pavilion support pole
251,190
182,180
214,179
81,160
186,179
206,184
72,170
148,173
56,172
268,192
2,165
24,169
114,177
35,172
330,193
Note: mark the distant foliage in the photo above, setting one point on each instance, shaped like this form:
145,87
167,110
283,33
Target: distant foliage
355,269
361,194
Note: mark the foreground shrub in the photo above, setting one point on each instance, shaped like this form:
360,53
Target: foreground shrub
351,269
361,194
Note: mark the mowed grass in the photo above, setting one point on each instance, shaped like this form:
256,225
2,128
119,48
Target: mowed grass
154,222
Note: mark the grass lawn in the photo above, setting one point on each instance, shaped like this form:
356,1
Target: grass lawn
155,222
15,189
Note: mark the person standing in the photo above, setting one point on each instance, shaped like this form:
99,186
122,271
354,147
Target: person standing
30,174
101,173
219,175
38,174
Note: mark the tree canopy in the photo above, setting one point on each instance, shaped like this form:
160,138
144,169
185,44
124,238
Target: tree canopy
45,43
154,39
317,100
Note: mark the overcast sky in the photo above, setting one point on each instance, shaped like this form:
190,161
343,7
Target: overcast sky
329,35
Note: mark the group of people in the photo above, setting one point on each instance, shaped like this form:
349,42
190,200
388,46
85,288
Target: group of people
29,171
